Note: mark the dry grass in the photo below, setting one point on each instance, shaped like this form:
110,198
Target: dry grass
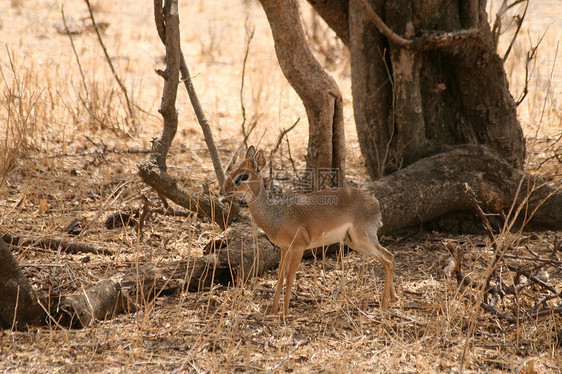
63,156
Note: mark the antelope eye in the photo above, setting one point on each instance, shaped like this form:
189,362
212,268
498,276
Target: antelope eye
241,178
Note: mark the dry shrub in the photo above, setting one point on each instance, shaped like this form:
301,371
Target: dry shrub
22,114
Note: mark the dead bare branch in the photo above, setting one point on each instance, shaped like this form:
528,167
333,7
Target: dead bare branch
531,56
249,37
276,147
519,21
75,53
159,18
428,40
154,172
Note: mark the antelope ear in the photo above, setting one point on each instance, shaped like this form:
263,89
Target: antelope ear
231,164
250,152
259,161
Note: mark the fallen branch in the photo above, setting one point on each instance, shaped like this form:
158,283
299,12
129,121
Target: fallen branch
56,244
101,301
165,185
538,259
508,317
236,257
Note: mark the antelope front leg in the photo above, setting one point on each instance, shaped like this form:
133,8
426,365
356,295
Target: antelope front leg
281,275
295,257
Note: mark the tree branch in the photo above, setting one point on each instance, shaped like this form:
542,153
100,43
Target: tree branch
55,244
383,28
407,197
188,83
318,91
428,40
154,172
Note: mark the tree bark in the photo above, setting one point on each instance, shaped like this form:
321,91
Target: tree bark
233,259
154,171
408,196
409,125
447,85
371,88
319,92
335,13
19,306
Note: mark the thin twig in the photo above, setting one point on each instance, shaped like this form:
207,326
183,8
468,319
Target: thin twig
200,114
243,143
519,24
508,317
249,37
489,230
549,86
144,213
276,147
534,279
278,365
538,259
75,53
468,190
108,59
87,153
531,55
290,156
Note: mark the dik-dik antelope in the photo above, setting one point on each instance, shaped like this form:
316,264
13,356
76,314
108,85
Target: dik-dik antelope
309,221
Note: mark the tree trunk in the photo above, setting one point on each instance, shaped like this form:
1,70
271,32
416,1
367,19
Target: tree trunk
428,85
408,196
238,256
371,88
154,172
19,306
411,103
319,92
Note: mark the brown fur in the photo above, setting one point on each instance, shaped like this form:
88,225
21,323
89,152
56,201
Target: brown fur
298,222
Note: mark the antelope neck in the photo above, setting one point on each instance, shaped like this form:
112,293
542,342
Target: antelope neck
266,213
